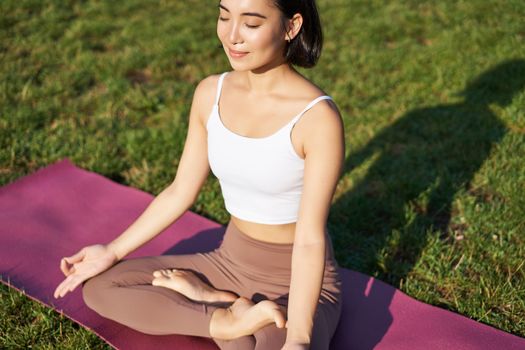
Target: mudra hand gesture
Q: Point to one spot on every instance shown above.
(88, 262)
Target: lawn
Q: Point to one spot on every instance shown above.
(432, 94)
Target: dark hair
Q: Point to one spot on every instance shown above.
(305, 49)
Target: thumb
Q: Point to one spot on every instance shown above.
(77, 257)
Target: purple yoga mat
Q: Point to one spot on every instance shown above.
(59, 209)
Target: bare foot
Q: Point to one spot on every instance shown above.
(191, 286)
(244, 318)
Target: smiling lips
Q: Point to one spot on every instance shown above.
(237, 54)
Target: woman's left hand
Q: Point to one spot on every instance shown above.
(295, 346)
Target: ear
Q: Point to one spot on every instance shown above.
(293, 25)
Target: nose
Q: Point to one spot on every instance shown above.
(234, 34)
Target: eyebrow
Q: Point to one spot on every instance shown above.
(254, 14)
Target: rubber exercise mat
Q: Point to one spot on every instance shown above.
(60, 208)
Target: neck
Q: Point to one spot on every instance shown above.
(267, 80)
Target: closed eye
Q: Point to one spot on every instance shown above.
(247, 25)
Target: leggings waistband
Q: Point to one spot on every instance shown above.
(255, 255)
(277, 247)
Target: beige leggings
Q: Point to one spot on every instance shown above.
(247, 267)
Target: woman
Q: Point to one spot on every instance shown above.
(278, 175)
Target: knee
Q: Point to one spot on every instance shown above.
(93, 292)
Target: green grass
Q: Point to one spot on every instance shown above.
(433, 99)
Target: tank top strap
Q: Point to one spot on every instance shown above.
(219, 88)
(310, 105)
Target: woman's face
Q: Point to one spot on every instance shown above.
(254, 28)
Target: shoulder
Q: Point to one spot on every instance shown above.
(323, 138)
(324, 113)
(322, 120)
(206, 88)
(322, 123)
(204, 96)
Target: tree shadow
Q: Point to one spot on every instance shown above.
(418, 164)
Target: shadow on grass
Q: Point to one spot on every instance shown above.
(418, 164)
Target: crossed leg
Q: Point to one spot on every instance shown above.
(115, 293)
(125, 294)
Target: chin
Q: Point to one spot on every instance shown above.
(242, 67)
(249, 66)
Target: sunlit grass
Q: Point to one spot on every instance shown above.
(432, 198)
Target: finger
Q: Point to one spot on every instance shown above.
(72, 260)
(60, 288)
(66, 267)
(63, 267)
(77, 257)
(57, 290)
(75, 283)
(67, 287)
(63, 290)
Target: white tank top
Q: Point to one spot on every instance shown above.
(261, 178)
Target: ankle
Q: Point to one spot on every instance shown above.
(218, 317)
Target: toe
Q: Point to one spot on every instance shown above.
(279, 319)
(166, 272)
(162, 280)
(156, 282)
(225, 296)
(243, 300)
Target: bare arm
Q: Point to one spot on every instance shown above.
(180, 195)
(167, 206)
(324, 149)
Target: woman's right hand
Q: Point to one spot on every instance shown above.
(88, 262)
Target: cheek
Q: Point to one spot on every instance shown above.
(221, 31)
(266, 41)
